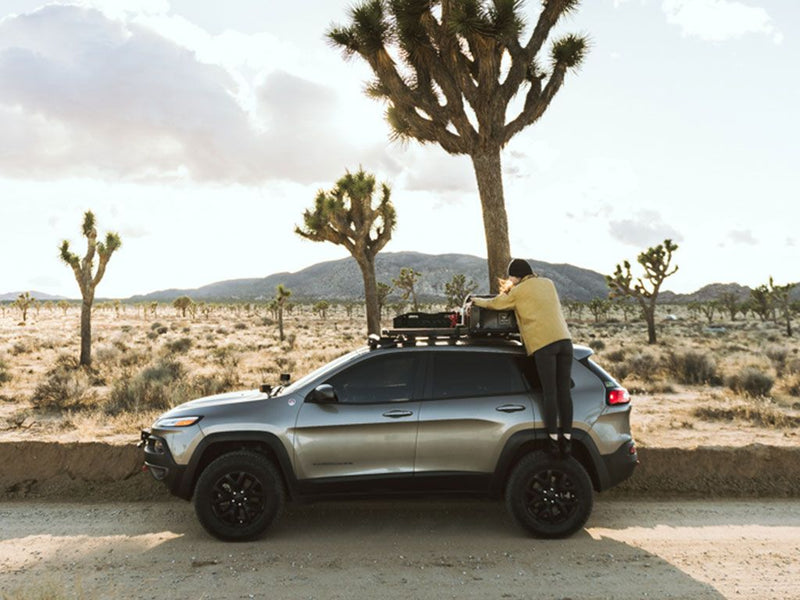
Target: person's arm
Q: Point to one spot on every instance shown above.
(500, 302)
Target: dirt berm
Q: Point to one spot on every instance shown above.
(96, 471)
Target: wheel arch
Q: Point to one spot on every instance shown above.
(522, 443)
(216, 445)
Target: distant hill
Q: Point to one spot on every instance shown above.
(11, 296)
(341, 280)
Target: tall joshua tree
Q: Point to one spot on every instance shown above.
(345, 216)
(405, 282)
(448, 70)
(656, 263)
(87, 277)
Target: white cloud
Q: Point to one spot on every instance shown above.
(742, 236)
(85, 95)
(719, 20)
(645, 228)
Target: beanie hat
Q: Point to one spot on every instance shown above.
(519, 268)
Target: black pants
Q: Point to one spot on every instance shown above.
(554, 365)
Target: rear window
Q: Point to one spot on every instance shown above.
(465, 374)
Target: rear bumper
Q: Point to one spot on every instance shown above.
(621, 464)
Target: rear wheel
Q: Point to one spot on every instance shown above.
(549, 497)
(238, 496)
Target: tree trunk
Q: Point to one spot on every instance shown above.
(280, 323)
(86, 333)
(367, 265)
(488, 172)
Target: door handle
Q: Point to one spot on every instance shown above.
(510, 408)
(398, 413)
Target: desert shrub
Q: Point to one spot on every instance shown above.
(643, 365)
(756, 411)
(240, 326)
(156, 387)
(597, 345)
(751, 381)
(5, 376)
(180, 345)
(614, 356)
(692, 367)
(65, 387)
(23, 347)
(792, 385)
(778, 355)
(156, 325)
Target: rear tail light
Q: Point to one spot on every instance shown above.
(618, 395)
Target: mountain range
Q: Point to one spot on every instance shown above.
(340, 280)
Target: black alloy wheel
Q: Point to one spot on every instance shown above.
(549, 497)
(238, 496)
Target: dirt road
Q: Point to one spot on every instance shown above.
(642, 549)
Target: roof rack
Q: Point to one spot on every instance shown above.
(391, 338)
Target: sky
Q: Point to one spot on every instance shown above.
(200, 130)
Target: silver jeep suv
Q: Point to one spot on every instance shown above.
(397, 417)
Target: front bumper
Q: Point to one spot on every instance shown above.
(158, 460)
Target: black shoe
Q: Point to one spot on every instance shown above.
(565, 446)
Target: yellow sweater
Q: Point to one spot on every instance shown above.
(538, 311)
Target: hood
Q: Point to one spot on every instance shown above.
(218, 399)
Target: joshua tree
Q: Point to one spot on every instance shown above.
(183, 303)
(321, 308)
(345, 216)
(709, 309)
(384, 289)
(457, 289)
(729, 302)
(461, 62)
(87, 277)
(761, 302)
(656, 263)
(405, 283)
(23, 303)
(599, 308)
(780, 297)
(281, 297)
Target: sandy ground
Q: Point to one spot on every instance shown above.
(630, 549)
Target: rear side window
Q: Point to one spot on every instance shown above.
(464, 374)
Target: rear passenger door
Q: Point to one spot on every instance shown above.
(474, 400)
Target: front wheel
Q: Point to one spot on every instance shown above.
(549, 497)
(238, 496)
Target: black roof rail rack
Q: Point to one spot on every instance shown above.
(392, 338)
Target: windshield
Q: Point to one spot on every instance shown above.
(317, 372)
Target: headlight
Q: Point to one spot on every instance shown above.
(177, 422)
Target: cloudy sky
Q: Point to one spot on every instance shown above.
(200, 130)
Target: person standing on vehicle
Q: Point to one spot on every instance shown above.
(547, 342)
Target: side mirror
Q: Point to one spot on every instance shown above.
(322, 394)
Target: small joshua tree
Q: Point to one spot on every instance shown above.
(281, 298)
(23, 303)
(656, 263)
(183, 303)
(87, 277)
(384, 289)
(405, 283)
(457, 289)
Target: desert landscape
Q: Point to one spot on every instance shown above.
(732, 383)
(713, 405)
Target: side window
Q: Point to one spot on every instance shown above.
(464, 374)
(381, 378)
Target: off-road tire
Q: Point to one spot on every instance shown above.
(238, 496)
(549, 497)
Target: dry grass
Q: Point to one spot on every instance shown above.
(143, 365)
